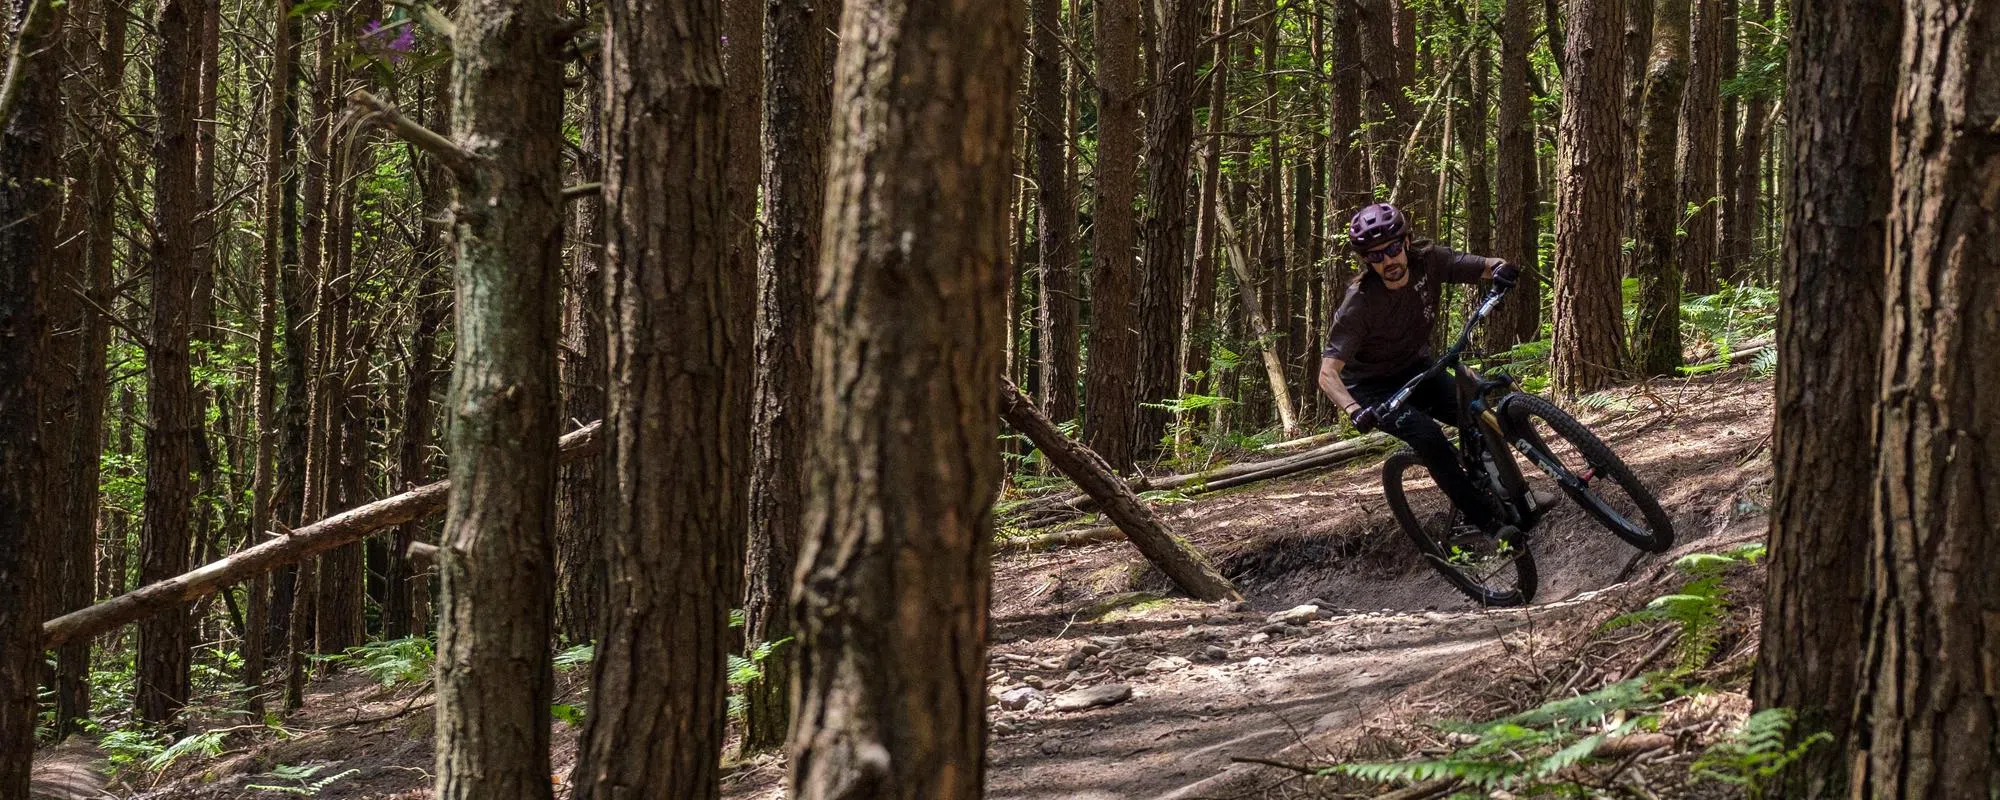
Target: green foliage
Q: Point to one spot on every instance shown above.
(568, 713)
(132, 745)
(1698, 608)
(1732, 314)
(207, 744)
(1756, 751)
(744, 671)
(581, 655)
(395, 662)
(1528, 751)
(1766, 363)
(301, 778)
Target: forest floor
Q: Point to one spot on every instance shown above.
(1391, 650)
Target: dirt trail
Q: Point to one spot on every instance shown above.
(1209, 682)
(1700, 444)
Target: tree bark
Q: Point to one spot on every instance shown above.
(1111, 393)
(1697, 161)
(1517, 200)
(580, 565)
(173, 430)
(1350, 189)
(1186, 566)
(892, 591)
(1843, 85)
(1587, 316)
(798, 57)
(1931, 632)
(1739, 240)
(282, 548)
(679, 393)
(1725, 202)
(277, 164)
(30, 151)
(1169, 149)
(1199, 333)
(497, 549)
(1656, 337)
(77, 396)
(1055, 202)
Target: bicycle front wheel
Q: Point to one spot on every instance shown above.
(1492, 571)
(1586, 469)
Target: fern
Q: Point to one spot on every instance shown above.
(392, 662)
(1698, 609)
(301, 776)
(1766, 362)
(1755, 751)
(574, 657)
(206, 744)
(1528, 750)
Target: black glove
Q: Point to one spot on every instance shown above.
(1365, 420)
(1506, 275)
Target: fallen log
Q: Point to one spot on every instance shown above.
(1187, 567)
(1056, 509)
(288, 547)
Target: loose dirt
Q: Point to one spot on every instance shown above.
(1387, 646)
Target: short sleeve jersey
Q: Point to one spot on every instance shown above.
(1380, 332)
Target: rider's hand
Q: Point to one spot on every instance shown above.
(1506, 275)
(1365, 420)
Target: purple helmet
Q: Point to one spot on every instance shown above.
(1376, 225)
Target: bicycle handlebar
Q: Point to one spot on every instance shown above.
(1451, 354)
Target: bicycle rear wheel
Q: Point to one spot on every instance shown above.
(1579, 463)
(1491, 571)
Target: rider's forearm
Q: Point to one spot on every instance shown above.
(1331, 385)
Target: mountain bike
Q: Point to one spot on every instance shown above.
(1502, 420)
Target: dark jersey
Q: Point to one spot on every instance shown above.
(1379, 331)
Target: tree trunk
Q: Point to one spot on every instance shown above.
(1472, 141)
(1199, 333)
(1740, 239)
(173, 429)
(1056, 205)
(1656, 337)
(580, 566)
(1519, 240)
(679, 404)
(1843, 79)
(277, 165)
(798, 57)
(1187, 567)
(497, 550)
(1931, 638)
(1697, 161)
(30, 155)
(408, 608)
(76, 388)
(892, 591)
(1260, 330)
(1638, 29)
(1587, 316)
(1111, 393)
(1350, 187)
(1725, 201)
(294, 412)
(1169, 149)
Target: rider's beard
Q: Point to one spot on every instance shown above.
(1394, 272)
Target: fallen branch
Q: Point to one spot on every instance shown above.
(1187, 567)
(443, 148)
(1051, 541)
(290, 547)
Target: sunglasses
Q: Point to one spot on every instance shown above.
(1384, 254)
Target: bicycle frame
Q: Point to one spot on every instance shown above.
(1484, 436)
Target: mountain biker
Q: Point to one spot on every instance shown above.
(1381, 339)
